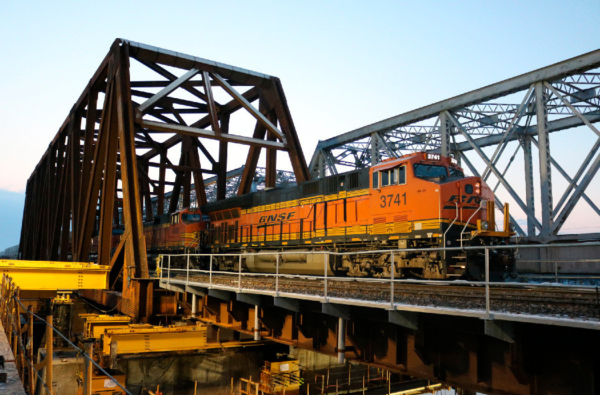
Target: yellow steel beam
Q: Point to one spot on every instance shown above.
(45, 275)
(145, 338)
(96, 324)
(136, 339)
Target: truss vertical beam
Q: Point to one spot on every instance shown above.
(529, 190)
(135, 263)
(375, 153)
(222, 165)
(444, 134)
(544, 156)
(271, 160)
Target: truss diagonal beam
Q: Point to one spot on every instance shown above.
(486, 160)
(148, 104)
(249, 107)
(499, 203)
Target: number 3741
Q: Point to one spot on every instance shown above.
(388, 200)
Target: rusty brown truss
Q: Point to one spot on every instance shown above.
(120, 131)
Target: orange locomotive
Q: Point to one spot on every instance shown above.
(417, 201)
(178, 232)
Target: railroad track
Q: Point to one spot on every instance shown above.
(579, 302)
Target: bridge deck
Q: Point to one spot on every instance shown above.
(539, 304)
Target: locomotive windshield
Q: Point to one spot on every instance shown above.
(456, 173)
(191, 218)
(432, 173)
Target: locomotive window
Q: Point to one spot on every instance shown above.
(235, 213)
(385, 178)
(400, 175)
(219, 215)
(190, 218)
(431, 172)
(226, 214)
(375, 179)
(212, 216)
(454, 172)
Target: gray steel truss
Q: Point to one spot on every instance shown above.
(526, 109)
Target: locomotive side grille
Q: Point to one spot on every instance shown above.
(310, 188)
(332, 185)
(401, 218)
(379, 226)
(353, 181)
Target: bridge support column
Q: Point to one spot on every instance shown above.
(194, 305)
(256, 324)
(341, 340)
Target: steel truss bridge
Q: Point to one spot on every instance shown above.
(142, 126)
(512, 117)
(138, 141)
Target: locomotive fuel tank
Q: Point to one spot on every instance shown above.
(301, 262)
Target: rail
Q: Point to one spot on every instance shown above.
(169, 273)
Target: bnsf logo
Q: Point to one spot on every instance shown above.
(276, 217)
(463, 199)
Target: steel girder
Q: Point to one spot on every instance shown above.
(487, 356)
(126, 141)
(555, 98)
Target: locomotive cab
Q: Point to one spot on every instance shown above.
(428, 200)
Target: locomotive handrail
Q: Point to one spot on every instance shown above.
(493, 247)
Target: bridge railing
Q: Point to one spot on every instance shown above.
(180, 269)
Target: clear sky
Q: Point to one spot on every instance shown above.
(343, 64)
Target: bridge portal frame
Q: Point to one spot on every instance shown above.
(96, 173)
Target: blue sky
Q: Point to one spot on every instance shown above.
(343, 64)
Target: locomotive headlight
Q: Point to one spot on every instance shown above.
(484, 225)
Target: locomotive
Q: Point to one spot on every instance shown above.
(414, 203)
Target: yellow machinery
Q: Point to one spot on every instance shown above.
(280, 377)
(276, 378)
(53, 276)
(63, 308)
(108, 337)
(102, 385)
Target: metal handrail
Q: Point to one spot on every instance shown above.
(325, 297)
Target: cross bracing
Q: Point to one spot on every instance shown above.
(283, 179)
(489, 130)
